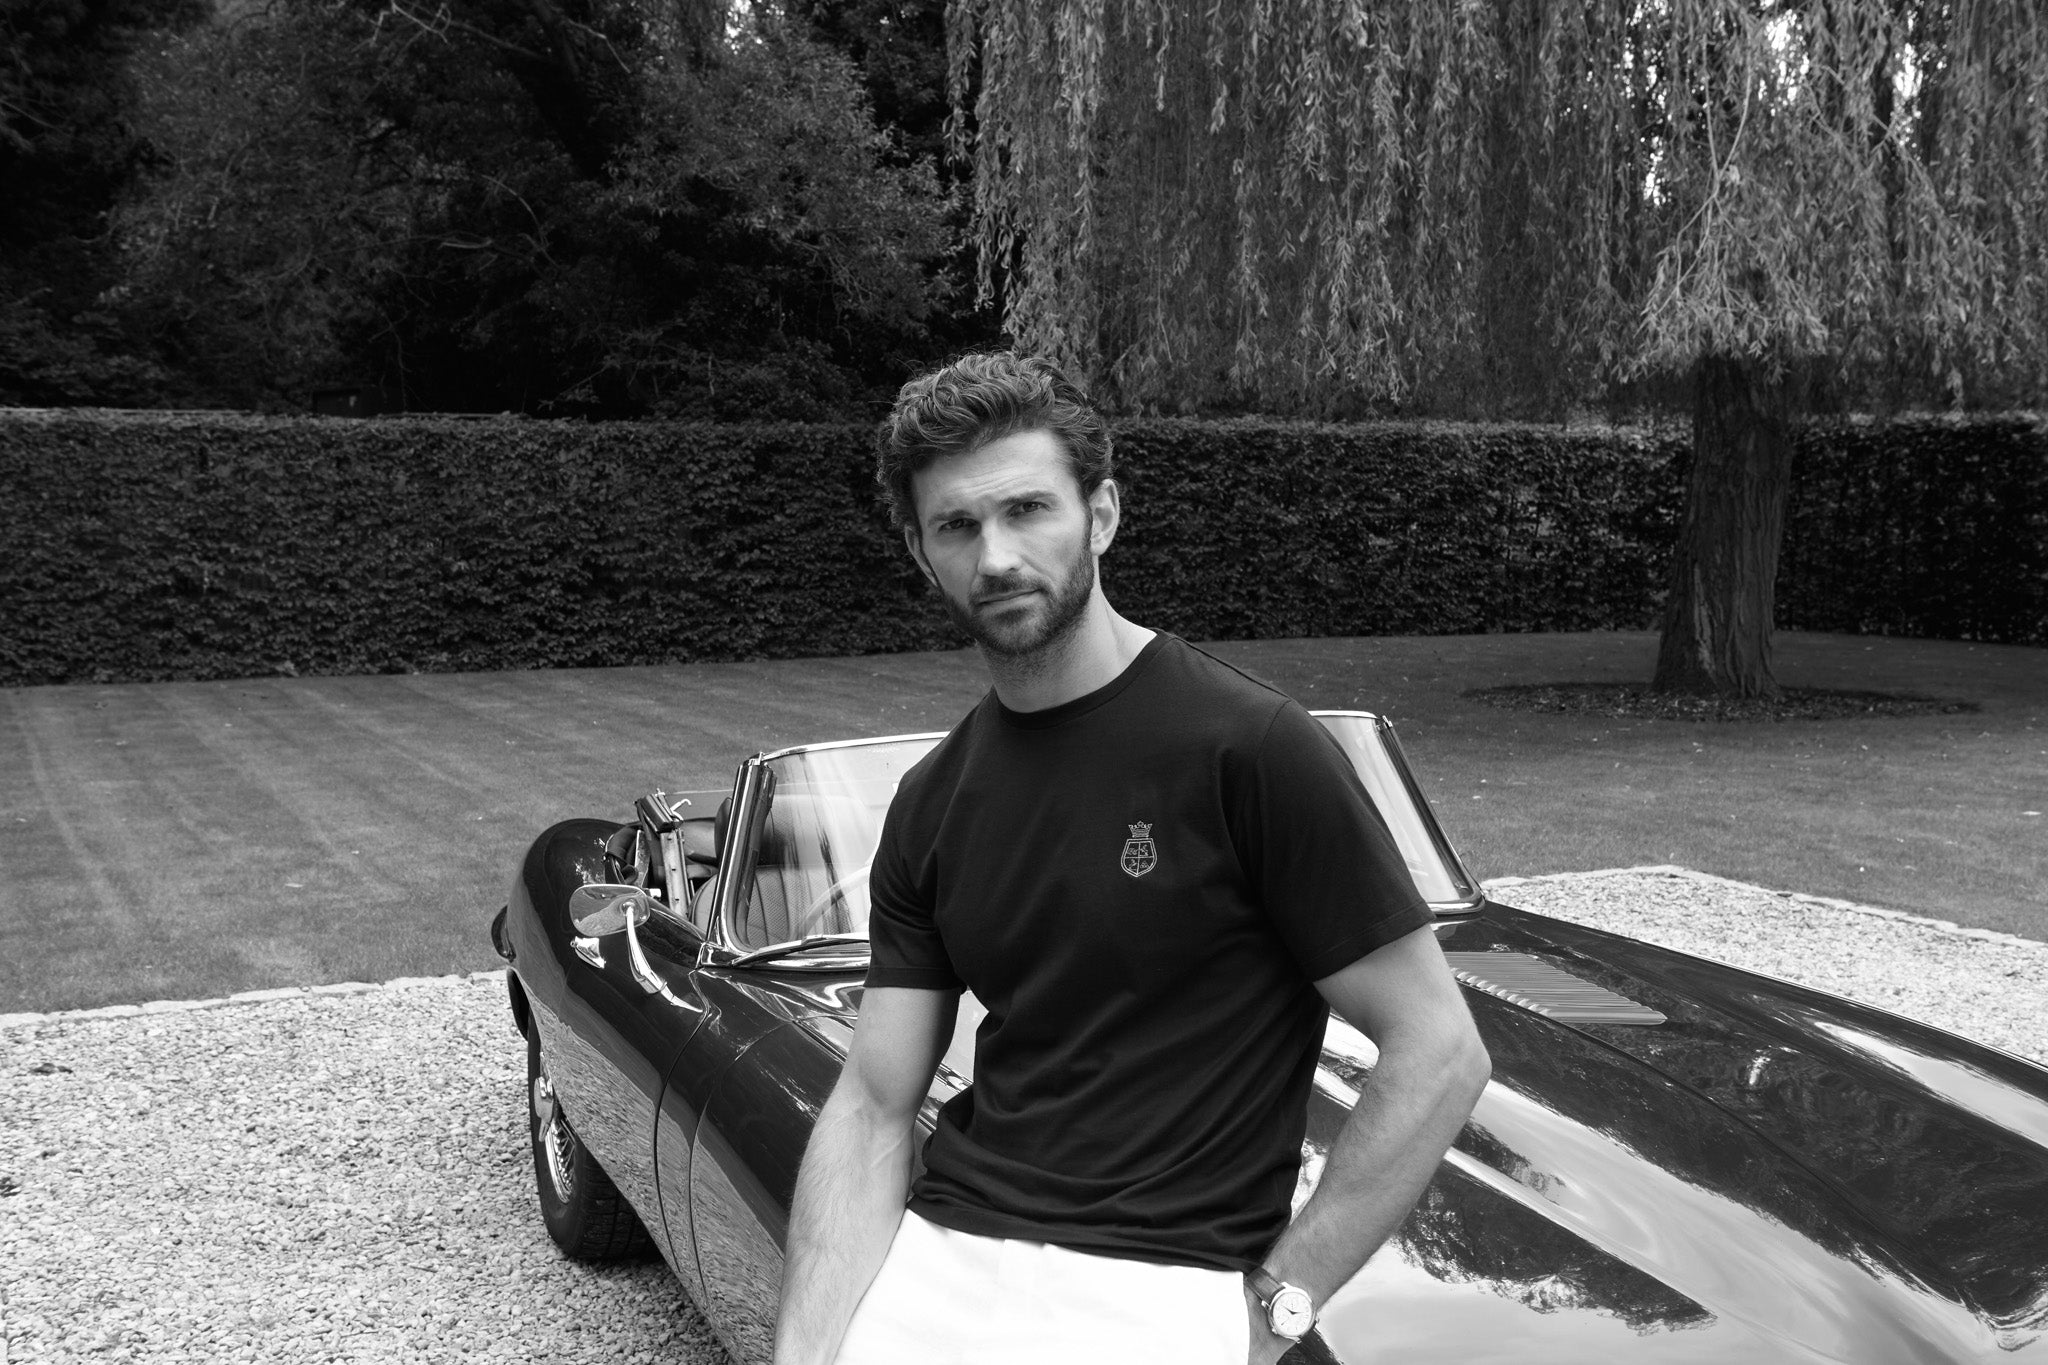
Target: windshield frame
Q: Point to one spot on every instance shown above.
(1474, 898)
(755, 781)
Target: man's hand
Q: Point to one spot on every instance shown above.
(856, 1170)
(1266, 1348)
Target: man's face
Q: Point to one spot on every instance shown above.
(1006, 536)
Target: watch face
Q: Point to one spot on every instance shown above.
(1291, 1313)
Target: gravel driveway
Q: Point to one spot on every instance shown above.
(328, 1177)
(342, 1174)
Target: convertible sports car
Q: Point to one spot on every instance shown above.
(1675, 1161)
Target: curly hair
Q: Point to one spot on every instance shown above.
(978, 399)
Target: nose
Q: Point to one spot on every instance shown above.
(1000, 555)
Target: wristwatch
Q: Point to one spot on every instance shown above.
(1290, 1312)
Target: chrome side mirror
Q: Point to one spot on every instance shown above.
(602, 908)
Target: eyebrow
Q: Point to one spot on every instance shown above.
(945, 514)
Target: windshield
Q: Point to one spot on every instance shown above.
(824, 820)
(825, 809)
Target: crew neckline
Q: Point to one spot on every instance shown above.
(1088, 701)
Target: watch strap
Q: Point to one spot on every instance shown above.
(1263, 1284)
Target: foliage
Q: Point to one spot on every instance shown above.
(1928, 526)
(769, 156)
(55, 360)
(1247, 529)
(222, 546)
(575, 205)
(273, 212)
(1322, 207)
(67, 146)
(899, 49)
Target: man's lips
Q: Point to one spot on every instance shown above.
(998, 598)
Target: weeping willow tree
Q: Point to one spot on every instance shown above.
(1324, 206)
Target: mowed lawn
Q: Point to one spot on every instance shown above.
(174, 840)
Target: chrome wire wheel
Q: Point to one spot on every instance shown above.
(585, 1214)
(556, 1140)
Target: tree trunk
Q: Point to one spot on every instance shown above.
(1724, 571)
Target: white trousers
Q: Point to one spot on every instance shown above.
(952, 1298)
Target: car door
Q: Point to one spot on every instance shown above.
(756, 1119)
(756, 1112)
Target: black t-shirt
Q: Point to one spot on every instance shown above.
(1141, 885)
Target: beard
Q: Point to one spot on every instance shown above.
(1017, 635)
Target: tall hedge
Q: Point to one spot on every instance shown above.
(1252, 528)
(207, 547)
(1931, 526)
(150, 546)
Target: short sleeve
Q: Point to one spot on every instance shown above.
(1317, 853)
(904, 946)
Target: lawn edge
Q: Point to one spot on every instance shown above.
(262, 997)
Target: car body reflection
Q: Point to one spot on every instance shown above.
(1745, 1170)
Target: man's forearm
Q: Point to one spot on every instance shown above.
(1411, 1109)
(849, 1200)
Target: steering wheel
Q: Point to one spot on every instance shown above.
(825, 902)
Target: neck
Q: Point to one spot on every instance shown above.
(1101, 646)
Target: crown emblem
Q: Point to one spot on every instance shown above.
(1141, 855)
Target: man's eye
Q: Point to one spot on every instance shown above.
(1026, 507)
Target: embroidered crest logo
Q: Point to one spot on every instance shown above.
(1140, 856)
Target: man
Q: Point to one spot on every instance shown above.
(1158, 875)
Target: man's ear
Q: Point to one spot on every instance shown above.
(913, 541)
(1105, 513)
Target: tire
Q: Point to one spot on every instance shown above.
(585, 1214)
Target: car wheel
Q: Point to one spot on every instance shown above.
(584, 1212)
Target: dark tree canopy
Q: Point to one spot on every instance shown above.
(67, 148)
(565, 206)
(899, 49)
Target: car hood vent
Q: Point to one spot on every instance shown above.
(1526, 980)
